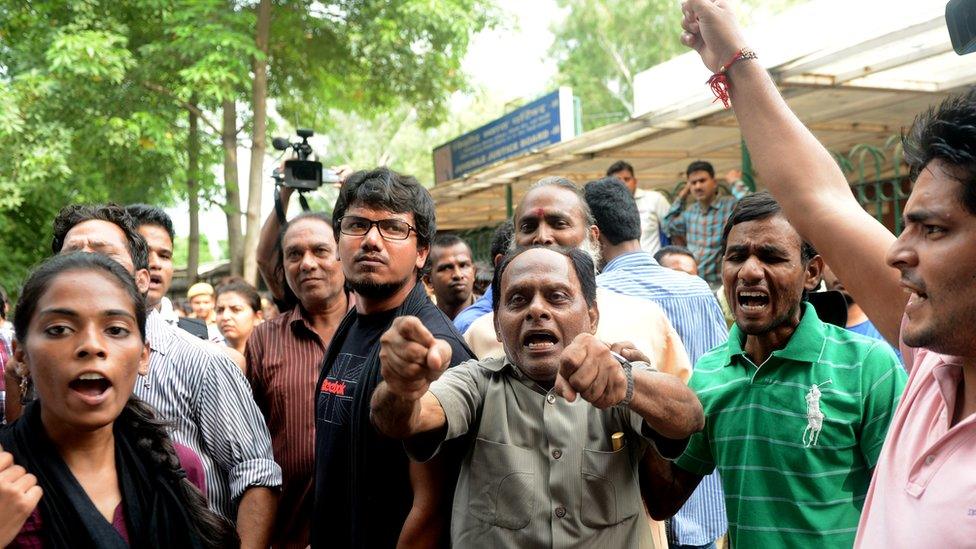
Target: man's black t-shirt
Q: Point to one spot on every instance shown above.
(362, 482)
(333, 413)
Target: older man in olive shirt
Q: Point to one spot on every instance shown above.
(547, 469)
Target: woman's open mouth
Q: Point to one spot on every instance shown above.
(91, 387)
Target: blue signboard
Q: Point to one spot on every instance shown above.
(542, 122)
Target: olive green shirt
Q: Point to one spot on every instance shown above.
(540, 471)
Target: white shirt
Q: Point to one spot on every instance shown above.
(652, 207)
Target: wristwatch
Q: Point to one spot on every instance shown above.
(627, 367)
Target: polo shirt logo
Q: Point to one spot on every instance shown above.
(815, 417)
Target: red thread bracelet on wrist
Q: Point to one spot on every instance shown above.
(719, 82)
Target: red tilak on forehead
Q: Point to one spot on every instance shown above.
(539, 212)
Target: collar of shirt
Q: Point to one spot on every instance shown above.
(158, 332)
(805, 345)
(500, 364)
(299, 324)
(638, 258)
(714, 205)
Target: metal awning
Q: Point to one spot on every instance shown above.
(854, 72)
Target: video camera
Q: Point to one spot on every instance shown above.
(302, 174)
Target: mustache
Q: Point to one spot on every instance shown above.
(910, 280)
(372, 256)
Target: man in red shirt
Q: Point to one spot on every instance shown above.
(284, 356)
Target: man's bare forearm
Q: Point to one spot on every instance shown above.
(664, 486)
(667, 405)
(256, 516)
(266, 257)
(393, 415)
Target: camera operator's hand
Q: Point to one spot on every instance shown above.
(710, 28)
(343, 171)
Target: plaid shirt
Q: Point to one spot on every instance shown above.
(702, 230)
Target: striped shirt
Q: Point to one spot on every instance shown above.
(696, 317)
(208, 401)
(283, 360)
(797, 437)
(702, 229)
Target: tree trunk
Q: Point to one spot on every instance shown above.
(193, 198)
(232, 191)
(258, 142)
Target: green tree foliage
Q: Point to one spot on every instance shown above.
(398, 137)
(94, 94)
(73, 127)
(600, 45)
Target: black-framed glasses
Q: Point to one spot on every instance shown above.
(390, 229)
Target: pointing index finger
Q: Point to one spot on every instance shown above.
(412, 329)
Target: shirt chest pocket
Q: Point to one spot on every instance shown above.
(502, 484)
(610, 490)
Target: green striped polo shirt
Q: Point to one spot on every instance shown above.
(795, 438)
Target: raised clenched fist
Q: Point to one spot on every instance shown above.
(710, 28)
(19, 495)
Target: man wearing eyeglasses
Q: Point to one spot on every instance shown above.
(367, 493)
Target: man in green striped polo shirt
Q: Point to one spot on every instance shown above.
(796, 410)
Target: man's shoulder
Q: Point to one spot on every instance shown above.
(272, 326)
(614, 302)
(185, 349)
(713, 370)
(841, 341)
(436, 321)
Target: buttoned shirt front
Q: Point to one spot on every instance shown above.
(208, 402)
(284, 357)
(541, 471)
(923, 493)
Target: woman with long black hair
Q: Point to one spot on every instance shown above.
(111, 477)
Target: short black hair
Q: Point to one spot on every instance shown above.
(447, 240)
(75, 214)
(501, 241)
(444, 241)
(245, 290)
(144, 214)
(759, 206)
(614, 209)
(700, 166)
(4, 299)
(582, 264)
(385, 189)
(947, 133)
(673, 250)
(289, 299)
(620, 166)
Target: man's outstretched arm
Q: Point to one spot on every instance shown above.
(410, 359)
(799, 171)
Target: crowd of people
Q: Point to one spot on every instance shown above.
(637, 373)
